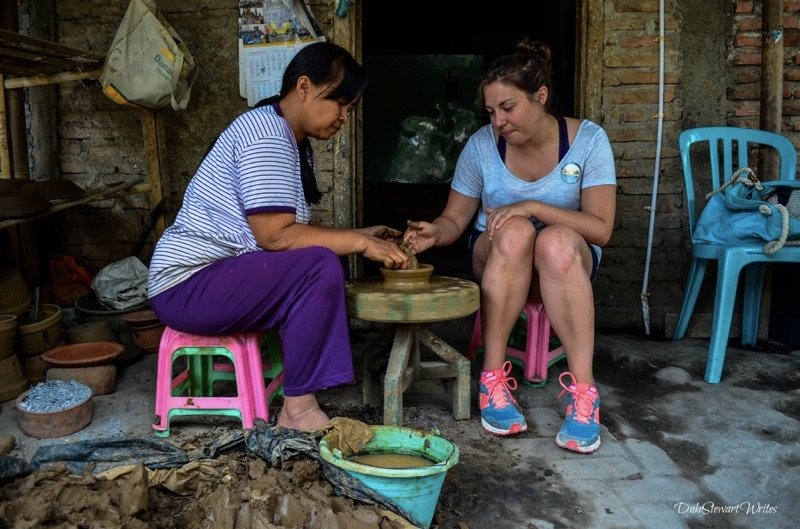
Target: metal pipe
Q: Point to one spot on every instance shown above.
(645, 294)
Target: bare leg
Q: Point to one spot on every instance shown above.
(563, 262)
(504, 267)
(302, 413)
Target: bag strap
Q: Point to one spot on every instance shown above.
(736, 178)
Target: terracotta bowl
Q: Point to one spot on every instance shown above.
(407, 278)
(12, 184)
(83, 354)
(21, 203)
(57, 423)
(60, 189)
(140, 318)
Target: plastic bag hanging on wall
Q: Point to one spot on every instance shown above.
(271, 32)
(148, 64)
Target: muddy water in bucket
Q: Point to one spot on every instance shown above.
(416, 489)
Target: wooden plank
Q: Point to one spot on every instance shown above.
(90, 195)
(42, 80)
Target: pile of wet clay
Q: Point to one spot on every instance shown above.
(233, 491)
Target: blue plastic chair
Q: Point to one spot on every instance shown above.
(727, 149)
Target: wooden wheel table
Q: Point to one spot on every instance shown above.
(406, 308)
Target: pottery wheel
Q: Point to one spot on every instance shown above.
(443, 298)
(406, 308)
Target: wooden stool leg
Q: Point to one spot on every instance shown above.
(397, 375)
(461, 393)
(371, 391)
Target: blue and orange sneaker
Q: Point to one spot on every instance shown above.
(500, 413)
(581, 429)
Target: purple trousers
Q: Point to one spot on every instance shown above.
(299, 292)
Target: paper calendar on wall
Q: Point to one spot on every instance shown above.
(271, 32)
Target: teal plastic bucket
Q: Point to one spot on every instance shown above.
(415, 490)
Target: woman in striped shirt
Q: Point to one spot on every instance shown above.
(242, 256)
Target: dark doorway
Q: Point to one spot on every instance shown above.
(421, 102)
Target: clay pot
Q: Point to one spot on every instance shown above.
(44, 425)
(35, 368)
(37, 337)
(102, 379)
(407, 278)
(12, 378)
(84, 354)
(92, 331)
(148, 338)
(16, 298)
(8, 331)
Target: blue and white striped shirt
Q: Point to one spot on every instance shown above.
(254, 167)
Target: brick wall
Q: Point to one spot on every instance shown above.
(712, 78)
(712, 75)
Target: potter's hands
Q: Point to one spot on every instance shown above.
(384, 251)
(419, 236)
(381, 232)
(498, 216)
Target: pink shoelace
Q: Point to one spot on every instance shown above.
(500, 388)
(583, 403)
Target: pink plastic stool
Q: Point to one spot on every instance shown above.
(537, 356)
(190, 392)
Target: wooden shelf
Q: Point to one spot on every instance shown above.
(88, 196)
(22, 56)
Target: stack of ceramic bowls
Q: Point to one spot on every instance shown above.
(90, 363)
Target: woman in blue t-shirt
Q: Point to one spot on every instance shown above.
(242, 256)
(544, 189)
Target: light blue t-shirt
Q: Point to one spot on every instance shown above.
(481, 173)
(253, 167)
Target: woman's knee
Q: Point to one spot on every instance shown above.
(515, 238)
(559, 248)
(325, 266)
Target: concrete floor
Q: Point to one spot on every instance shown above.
(677, 452)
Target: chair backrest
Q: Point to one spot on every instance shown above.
(729, 150)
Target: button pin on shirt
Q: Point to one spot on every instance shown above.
(571, 173)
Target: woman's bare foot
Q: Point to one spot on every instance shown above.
(302, 413)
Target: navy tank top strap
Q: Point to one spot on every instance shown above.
(563, 137)
(563, 140)
(501, 147)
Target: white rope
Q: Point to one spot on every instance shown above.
(750, 180)
(773, 246)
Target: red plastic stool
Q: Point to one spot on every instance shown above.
(191, 391)
(537, 356)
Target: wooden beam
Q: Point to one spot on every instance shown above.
(155, 151)
(770, 118)
(42, 80)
